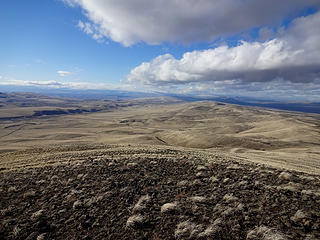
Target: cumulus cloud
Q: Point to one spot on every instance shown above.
(293, 55)
(154, 22)
(64, 73)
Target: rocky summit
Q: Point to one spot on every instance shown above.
(140, 192)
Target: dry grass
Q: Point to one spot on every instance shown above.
(135, 221)
(169, 207)
(141, 204)
(280, 139)
(264, 233)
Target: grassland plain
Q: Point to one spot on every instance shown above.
(278, 138)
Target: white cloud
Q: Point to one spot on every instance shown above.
(67, 85)
(64, 73)
(154, 22)
(92, 30)
(294, 55)
(15, 82)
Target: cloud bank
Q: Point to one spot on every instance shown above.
(187, 21)
(279, 62)
(292, 56)
(65, 85)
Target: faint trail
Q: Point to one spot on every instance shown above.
(159, 139)
(18, 129)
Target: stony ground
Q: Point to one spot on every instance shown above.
(153, 193)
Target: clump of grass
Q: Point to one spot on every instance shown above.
(284, 176)
(201, 174)
(201, 168)
(187, 230)
(12, 189)
(132, 164)
(142, 203)
(228, 198)
(298, 216)
(37, 215)
(16, 231)
(6, 211)
(29, 194)
(77, 204)
(42, 236)
(289, 187)
(234, 167)
(212, 230)
(135, 221)
(197, 199)
(265, 233)
(169, 207)
(213, 179)
(182, 183)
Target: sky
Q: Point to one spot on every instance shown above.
(263, 49)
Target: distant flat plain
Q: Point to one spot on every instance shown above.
(276, 138)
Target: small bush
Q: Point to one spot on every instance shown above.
(169, 207)
(265, 233)
(141, 204)
(135, 221)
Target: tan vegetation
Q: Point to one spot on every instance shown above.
(278, 138)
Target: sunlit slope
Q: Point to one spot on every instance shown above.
(255, 134)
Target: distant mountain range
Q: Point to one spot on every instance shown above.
(306, 107)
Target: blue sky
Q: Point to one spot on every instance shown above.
(40, 38)
(168, 46)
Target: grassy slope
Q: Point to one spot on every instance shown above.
(281, 139)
